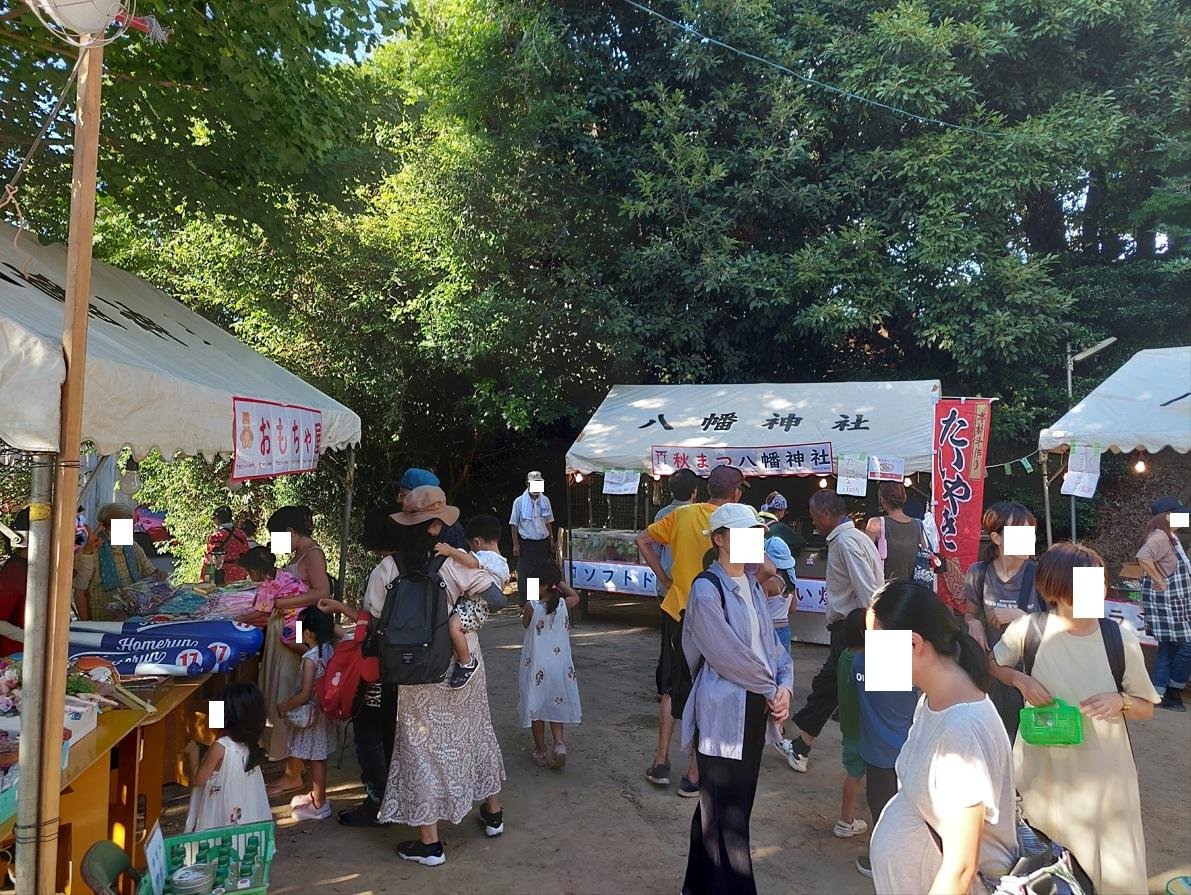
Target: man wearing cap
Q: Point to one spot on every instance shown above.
(684, 531)
(682, 486)
(532, 524)
(451, 535)
(776, 507)
(854, 573)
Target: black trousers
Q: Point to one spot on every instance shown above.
(823, 697)
(374, 731)
(720, 862)
(880, 785)
(533, 554)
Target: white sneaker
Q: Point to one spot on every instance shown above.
(845, 830)
(793, 759)
(309, 812)
(304, 799)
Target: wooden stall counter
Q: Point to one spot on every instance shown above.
(85, 795)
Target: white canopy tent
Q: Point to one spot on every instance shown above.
(1145, 405)
(158, 374)
(888, 419)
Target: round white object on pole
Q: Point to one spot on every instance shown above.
(80, 16)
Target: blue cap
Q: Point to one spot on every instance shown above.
(779, 551)
(417, 478)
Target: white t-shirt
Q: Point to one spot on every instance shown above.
(754, 623)
(378, 584)
(495, 565)
(952, 759)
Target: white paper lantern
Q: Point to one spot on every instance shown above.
(80, 16)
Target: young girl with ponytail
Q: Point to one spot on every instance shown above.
(549, 690)
(953, 816)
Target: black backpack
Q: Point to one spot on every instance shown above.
(412, 640)
(1110, 632)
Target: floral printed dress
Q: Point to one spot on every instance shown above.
(549, 688)
(231, 796)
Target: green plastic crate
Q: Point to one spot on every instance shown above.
(1053, 724)
(265, 833)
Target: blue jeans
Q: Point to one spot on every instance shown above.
(783, 635)
(1172, 665)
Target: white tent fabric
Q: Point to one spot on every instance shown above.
(895, 421)
(158, 374)
(1146, 405)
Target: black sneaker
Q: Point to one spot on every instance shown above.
(420, 852)
(687, 789)
(1173, 705)
(864, 867)
(462, 673)
(659, 774)
(493, 824)
(363, 815)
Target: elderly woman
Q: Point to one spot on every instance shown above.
(102, 568)
(1166, 596)
(743, 681)
(445, 753)
(1085, 796)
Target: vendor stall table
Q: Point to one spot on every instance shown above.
(85, 795)
(99, 803)
(143, 766)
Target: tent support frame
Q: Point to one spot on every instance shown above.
(1045, 458)
(349, 480)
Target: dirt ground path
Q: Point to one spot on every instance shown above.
(600, 827)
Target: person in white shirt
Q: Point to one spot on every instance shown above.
(532, 523)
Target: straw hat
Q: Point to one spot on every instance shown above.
(423, 503)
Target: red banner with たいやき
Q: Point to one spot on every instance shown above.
(961, 433)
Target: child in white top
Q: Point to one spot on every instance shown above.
(475, 571)
(549, 689)
(229, 788)
(314, 741)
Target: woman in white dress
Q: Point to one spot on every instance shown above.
(953, 816)
(549, 690)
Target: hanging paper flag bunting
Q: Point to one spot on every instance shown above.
(1025, 462)
(1008, 469)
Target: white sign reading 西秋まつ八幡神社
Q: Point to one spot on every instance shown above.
(782, 459)
(274, 439)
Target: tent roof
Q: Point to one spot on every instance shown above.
(158, 374)
(1145, 404)
(899, 417)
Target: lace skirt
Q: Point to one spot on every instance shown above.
(445, 757)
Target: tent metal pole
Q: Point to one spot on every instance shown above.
(27, 830)
(349, 480)
(53, 642)
(1046, 496)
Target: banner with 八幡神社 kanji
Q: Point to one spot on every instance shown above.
(961, 433)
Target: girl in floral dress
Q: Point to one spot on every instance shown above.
(229, 788)
(549, 691)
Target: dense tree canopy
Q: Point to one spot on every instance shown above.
(467, 218)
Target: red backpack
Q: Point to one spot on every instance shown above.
(346, 670)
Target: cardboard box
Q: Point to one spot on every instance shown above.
(1130, 570)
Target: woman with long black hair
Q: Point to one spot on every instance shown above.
(445, 753)
(954, 813)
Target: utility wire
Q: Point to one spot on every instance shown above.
(814, 82)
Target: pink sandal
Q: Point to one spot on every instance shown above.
(540, 758)
(560, 756)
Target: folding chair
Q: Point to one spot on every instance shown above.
(103, 864)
